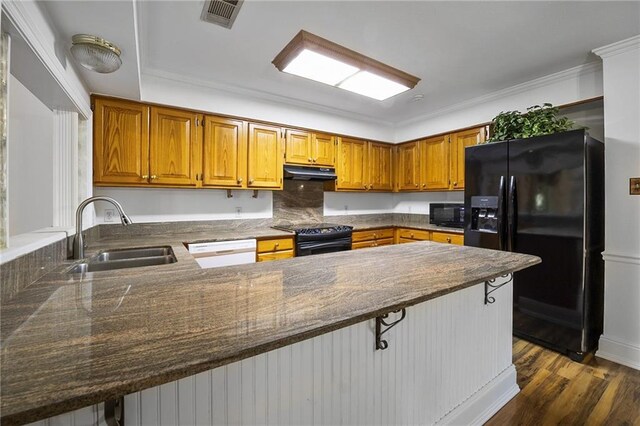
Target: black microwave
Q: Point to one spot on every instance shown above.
(447, 214)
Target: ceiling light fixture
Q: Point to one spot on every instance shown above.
(316, 58)
(95, 53)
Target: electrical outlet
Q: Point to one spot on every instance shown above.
(634, 186)
(109, 214)
(238, 211)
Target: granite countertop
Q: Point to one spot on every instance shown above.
(72, 340)
(398, 223)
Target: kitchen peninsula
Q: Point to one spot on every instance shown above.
(290, 341)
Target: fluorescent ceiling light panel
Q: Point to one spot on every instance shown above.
(312, 65)
(373, 86)
(318, 59)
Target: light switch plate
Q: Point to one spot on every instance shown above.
(634, 186)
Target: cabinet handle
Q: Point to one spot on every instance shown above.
(424, 185)
(239, 180)
(277, 245)
(455, 183)
(315, 159)
(154, 177)
(412, 235)
(365, 186)
(145, 176)
(375, 235)
(250, 181)
(370, 186)
(417, 185)
(448, 239)
(310, 159)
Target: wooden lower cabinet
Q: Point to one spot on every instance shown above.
(447, 237)
(372, 238)
(409, 235)
(275, 249)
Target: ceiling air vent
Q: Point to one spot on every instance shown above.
(221, 12)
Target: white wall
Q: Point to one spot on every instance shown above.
(30, 146)
(351, 203)
(197, 95)
(162, 205)
(621, 339)
(341, 203)
(575, 84)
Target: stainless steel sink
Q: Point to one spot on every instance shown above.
(125, 258)
(133, 253)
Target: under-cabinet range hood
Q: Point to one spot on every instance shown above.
(309, 173)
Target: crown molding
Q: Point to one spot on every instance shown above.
(547, 80)
(258, 94)
(20, 15)
(618, 47)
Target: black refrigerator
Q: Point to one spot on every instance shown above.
(544, 196)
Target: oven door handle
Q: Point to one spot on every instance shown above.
(324, 244)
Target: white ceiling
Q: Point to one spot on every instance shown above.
(460, 50)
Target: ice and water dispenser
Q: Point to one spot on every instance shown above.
(484, 214)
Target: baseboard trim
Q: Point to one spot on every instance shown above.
(621, 353)
(486, 402)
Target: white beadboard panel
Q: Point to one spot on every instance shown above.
(65, 160)
(447, 354)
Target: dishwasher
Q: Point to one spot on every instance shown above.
(223, 253)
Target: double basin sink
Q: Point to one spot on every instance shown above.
(125, 258)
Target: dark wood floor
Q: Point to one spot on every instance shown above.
(556, 390)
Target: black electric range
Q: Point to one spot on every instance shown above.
(317, 238)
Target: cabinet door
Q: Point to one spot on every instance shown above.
(434, 162)
(298, 147)
(408, 167)
(380, 170)
(121, 142)
(323, 149)
(225, 153)
(351, 167)
(174, 148)
(265, 158)
(459, 141)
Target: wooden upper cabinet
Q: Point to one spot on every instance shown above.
(459, 141)
(173, 147)
(224, 162)
(351, 165)
(434, 163)
(323, 150)
(121, 142)
(298, 147)
(408, 173)
(380, 166)
(265, 159)
(309, 149)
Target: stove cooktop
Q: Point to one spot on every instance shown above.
(315, 228)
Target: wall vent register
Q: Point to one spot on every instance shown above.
(221, 12)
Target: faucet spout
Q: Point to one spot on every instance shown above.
(78, 240)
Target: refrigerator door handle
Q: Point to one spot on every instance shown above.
(502, 211)
(512, 208)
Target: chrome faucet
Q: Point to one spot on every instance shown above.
(78, 240)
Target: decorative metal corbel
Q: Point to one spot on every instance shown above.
(229, 194)
(255, 193)
(489, 288)
(114, 412)
(380, 322)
